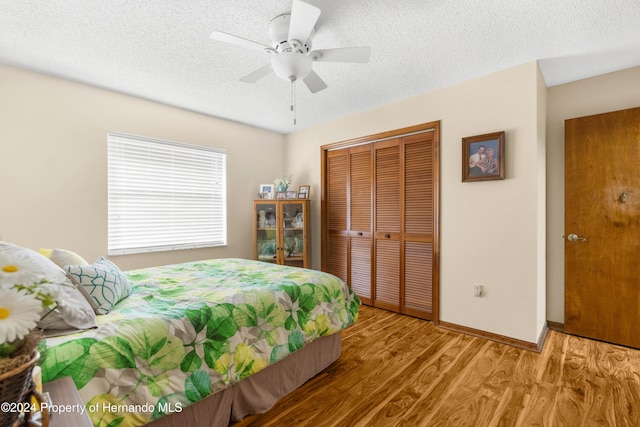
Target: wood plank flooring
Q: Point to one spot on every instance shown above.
(401, 371)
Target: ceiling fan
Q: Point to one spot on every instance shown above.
(292, 59)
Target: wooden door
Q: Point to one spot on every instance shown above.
(418, 207)
(387, 199)
(360, 213)
(337, 169)
(380, 215)
(349, 204)
(602, 227)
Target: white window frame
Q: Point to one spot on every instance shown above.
(164, 195)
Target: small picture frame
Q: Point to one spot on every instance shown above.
(266, 190)
(281, 195)
(303, 191)
(292, 194)
(483, 157)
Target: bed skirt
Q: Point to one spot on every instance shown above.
(258, 393)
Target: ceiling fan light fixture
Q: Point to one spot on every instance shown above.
(290, 64)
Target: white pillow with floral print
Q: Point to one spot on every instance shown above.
(24, 266)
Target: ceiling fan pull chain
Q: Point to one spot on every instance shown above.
(293, 97)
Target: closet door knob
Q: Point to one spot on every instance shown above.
(387, 236)
(359, 233)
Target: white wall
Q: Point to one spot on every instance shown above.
(609, 92)
(492, 232)
(53, 164)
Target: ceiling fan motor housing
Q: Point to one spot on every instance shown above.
(279, 35)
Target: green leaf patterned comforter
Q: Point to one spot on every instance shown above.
(190, 330)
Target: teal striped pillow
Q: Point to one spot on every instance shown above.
(102, 283)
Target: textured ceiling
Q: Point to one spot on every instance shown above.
(161, 50)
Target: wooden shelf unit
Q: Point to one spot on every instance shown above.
(281, 231)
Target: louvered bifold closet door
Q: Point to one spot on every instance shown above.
(337, 196)
(380, 218)
(418, 225)
(360, 219)
(387, 224)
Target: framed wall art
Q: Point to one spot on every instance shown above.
(483, 157)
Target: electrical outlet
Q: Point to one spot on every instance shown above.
(478, 290)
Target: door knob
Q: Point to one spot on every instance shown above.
(575, 238)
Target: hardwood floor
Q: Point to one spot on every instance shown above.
(401, 371)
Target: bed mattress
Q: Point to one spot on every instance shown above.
(188, 331)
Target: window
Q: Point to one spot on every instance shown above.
(164, 195)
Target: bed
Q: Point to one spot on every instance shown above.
(204, 343)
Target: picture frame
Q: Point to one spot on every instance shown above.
(303, 191)
(483, 157)
(281, 195)
(292, 194)
(266, 191)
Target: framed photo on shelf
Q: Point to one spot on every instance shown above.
(266, 191)
(281, 195)
(483, 157)
(303, 191)
(292, 194)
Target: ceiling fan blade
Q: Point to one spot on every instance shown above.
(230, 38)
(303, 18)
(314, 82)
(257, 74)
(343, 54)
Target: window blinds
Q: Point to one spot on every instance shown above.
(164, 195)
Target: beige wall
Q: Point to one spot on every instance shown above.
(53, 177)
(491, 232)
(541, 188)
(609, 92)
(53, 165)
